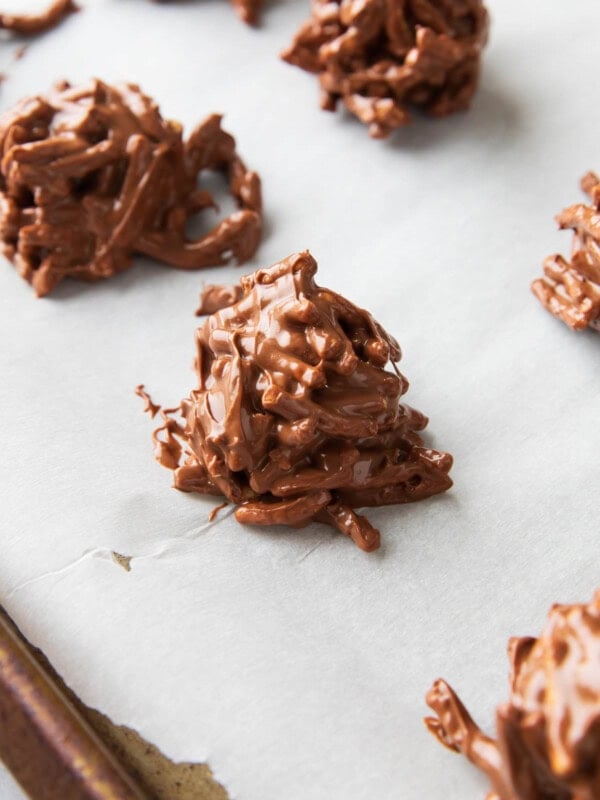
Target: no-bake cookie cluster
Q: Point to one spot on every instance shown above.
(547, 744)
(384, 58)
(295, 417)
(571, 289)
(91, 175)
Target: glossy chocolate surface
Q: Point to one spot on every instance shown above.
(571, 290)
(295, 417)
(547, 744)
(214, 297)
(382, 58)
(91, 175)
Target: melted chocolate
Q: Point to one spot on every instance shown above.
(91, 175)
(383, 57)
(571, 290)
(33, 24)
(295, 417)
(214, 297)
(149, 407)
(547, 745)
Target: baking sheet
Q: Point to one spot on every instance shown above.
(292, 662)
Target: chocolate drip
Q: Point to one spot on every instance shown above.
(91, 175)
(571, 290)
(214, 297)
(33, 24)
(149, 407)
(383, 57)
(295, 417)
(547, 744)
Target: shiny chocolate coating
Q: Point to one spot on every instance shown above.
(571, 290)
(295, 417)
(91, 175)
(33, 24)
(382, 58)
(214, 297)
(547, 744)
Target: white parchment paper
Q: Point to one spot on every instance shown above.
(292, 662)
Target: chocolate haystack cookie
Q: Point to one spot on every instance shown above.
(247, 10)
(571, 291)
(91, 175)
(295, 417)
(383, 57)
(547, 744)
(33, 24)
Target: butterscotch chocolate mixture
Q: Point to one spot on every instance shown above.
(383, 57)
(214, 297)
(32, 24)
(295, 417)
(547, 744)
(571, 290)
(91, 175)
